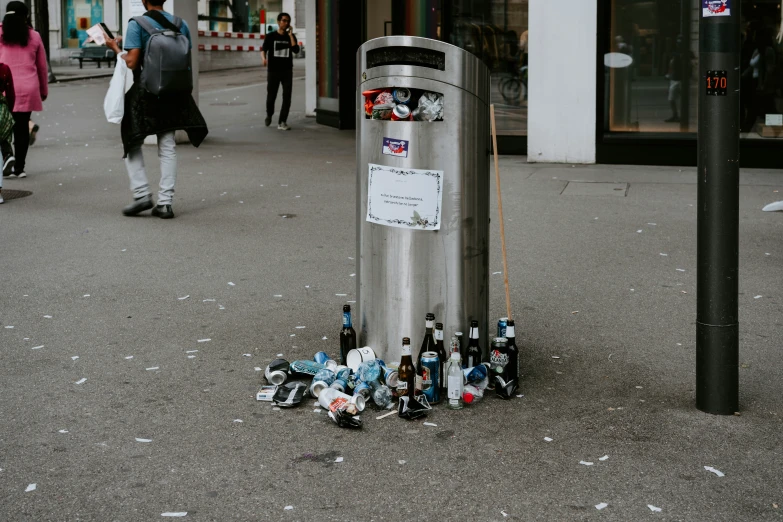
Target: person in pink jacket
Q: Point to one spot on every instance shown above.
(21, 48)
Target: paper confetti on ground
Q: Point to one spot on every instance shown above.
(191, 356)
(601, 506)
(129, 357)
(174, 514)
(341, 295)
(191, 351)
(183, 298)
(401, 462)
(758, 297)
(654, 509)
(430, 424)
(31, 487)
(153, 368)
(713, 470)
(37, 347)
(379, 417)
(81, 381)
(143, 440)
(605, 457)
(63, 431)
(300, 327)
(548, 439)
(248, 354)
(584, 463)
(208, 301)
(74, 357)
(203, 340)
(231, 284)
(238, 420)
(258, 369)
(47, 317)
(338, 459)
(289, 508)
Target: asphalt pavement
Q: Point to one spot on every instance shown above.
(116, 406)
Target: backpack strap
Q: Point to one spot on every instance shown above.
(175, 25)
(147, 25)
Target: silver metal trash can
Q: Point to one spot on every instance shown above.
(422, 192)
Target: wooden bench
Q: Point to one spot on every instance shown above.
(94, 54)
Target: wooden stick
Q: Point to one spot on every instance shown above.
(500, 209)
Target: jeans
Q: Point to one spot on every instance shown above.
(274, 79)
(167, 154)
(21, 139)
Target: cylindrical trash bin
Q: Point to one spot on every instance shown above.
(422, 191)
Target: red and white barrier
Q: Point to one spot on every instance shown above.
(218, 34)
(242, 48)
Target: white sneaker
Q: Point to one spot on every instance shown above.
(283, 126)
(1, 197)
(22, 175)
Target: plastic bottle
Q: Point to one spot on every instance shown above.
(472, 393)
(369, 371)
(381, 394)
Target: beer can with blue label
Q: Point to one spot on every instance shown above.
(430, 376)
(502, 325)
(401, 95)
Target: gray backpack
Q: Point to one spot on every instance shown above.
(167, 62)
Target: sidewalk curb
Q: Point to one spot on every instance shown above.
(67, 79)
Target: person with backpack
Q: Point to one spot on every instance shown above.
(159, 103)
(277, 52)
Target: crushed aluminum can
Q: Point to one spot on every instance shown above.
(401, 95)
(401, 113)
(277, 371)
(290, 394)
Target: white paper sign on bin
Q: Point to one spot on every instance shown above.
(405, 198)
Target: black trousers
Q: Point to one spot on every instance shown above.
(21, 138)
(274, 79)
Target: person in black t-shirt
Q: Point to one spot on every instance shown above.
(278, 50)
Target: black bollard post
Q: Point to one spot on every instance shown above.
(717, 329)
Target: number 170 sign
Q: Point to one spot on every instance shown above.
(717, 83)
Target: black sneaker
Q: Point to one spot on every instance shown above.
(268, 121)
(163, 212)
(8, 166)
(139, 205)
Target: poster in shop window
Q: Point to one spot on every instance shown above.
(715, 8)
(137, 8)
(405, 198)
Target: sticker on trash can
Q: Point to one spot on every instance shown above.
(715, 8)
(397, 148)
(404, 198)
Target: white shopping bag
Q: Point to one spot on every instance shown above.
(114, 103)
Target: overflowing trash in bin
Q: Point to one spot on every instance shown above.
(403, 104)
(457, 375)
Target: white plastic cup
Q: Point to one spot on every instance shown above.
(359, 355)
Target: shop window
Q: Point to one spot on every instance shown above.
(497, 32)
(651, 70)
(79, 16)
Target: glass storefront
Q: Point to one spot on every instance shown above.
(79, 16)
(497, 32)
(651, 68)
